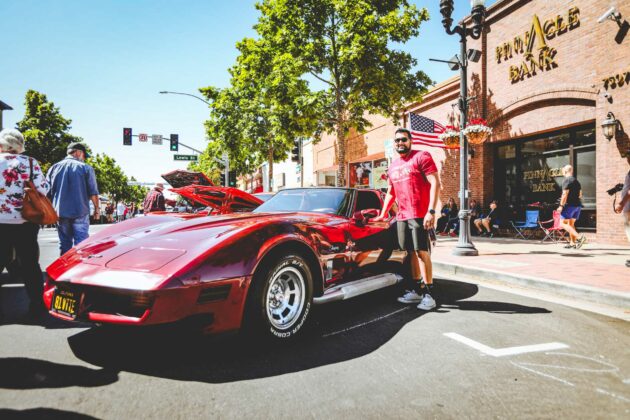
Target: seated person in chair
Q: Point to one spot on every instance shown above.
(449, 212)
(486, 221)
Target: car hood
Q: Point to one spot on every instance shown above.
(223, 199)
(181, 178)
(155, 248)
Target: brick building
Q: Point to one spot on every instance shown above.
(548, 77)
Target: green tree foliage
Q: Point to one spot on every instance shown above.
(266, 108)
(112, 181)
(45, 130)
(347, 45)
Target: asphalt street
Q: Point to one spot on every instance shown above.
(483, 353)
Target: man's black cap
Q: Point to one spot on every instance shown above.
(78, 146)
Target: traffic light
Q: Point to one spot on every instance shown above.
(127, 136)
(295, 152)
(232, 179)
(222, 183)
(174, 142)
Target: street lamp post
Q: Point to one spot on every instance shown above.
(185, 94)
(3, 107)
(464, 245)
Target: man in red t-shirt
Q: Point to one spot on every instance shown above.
(414, 184)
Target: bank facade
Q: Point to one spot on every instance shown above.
(549, 76)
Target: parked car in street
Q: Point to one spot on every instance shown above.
(260, 270)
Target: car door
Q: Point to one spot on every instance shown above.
(370, 243)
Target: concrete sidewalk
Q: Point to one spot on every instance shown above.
(596, 273)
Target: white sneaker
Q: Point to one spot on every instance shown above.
(410, 297)
(427, 303)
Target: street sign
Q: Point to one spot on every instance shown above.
(143, 137)
(139, 183)
(185, 157)
(157, 139)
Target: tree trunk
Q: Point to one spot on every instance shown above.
(341, 154)
(270, 172)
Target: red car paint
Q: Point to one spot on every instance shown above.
(168, 267)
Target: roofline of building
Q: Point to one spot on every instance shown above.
(4, 107)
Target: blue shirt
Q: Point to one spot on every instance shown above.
(72, 183)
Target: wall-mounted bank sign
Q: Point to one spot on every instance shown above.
(543, 57)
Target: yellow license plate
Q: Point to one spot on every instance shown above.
(65, 303)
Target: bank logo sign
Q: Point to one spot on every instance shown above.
(543, 57)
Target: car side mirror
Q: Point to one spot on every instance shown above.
(361, 217)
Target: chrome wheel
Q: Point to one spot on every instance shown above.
(285, 298)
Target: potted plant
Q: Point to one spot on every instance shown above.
(450, 136)
(477, 131)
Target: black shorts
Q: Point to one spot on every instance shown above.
(412, 233)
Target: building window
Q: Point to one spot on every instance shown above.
(528, 172)
(360, 174)
(327, 178)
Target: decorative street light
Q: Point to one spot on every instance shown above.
(609, 126)
(186, 94)
(478, 12)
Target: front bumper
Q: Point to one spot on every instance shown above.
(223, 299)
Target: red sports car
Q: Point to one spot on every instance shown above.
(261, 269)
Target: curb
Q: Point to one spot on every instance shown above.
(619, 300)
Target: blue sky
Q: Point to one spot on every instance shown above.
(103, 63)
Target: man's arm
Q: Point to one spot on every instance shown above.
(563, 200)
(434, 180)
(622, 203)
(387, 205)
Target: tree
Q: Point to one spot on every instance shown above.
(111, 180)
(45, 130)
(265, 108)
(347, 46)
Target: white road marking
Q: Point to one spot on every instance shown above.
(611, 394)
(365, 323)
(508, 351)
(610, 368)
(546, 375)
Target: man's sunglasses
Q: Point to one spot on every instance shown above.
(401, 140)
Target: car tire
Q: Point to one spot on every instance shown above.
(280, 298)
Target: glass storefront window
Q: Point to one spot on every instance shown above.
(529, 172)
(379, 174)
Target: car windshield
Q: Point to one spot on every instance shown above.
(317, 200)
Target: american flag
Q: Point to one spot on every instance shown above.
(425, 131)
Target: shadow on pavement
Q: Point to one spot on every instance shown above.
(14, 310)
(25, 373)
(42, 414)
(337, 332)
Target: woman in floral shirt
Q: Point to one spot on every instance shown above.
(15, 232)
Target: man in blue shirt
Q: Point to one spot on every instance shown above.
(72, 186)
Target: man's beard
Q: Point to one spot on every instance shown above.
(403, 149)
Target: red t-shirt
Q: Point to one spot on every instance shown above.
(407, 176)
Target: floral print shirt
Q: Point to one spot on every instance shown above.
(14, 172)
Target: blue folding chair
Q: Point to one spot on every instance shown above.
(525, 229)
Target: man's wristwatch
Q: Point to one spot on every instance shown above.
(431, 211)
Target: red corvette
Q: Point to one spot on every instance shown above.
(261, 269)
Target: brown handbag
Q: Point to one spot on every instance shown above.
(36, 207)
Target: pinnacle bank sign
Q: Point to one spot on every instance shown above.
(543, 58)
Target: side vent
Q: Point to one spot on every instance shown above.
(213, 294)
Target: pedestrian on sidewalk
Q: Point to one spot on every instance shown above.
(18, 235)
(72, 187)
(570, 206)
(623, 206)
(154, 201)
(120, 211)
(487, 220)
(413, 184)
